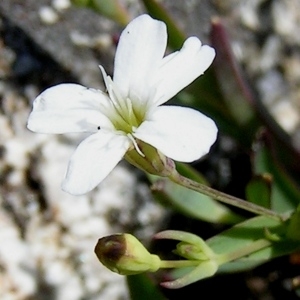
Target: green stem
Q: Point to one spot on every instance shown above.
(221, 258)
(170, 264)
(222, 197)
(247, 250)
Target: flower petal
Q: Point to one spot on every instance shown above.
(69, 108)
(180, 133)
(93, 160)
(140, 51)
(181, 68)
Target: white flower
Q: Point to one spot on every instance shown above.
(131, 109)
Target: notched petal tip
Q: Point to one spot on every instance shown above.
(203, 54)
(193, 43)
(209, 53)
(143, 20)
(181, 68)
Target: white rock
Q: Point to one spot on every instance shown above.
(48, 15)
(61, 5)
(286, 115)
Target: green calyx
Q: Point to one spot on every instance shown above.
(152, 161)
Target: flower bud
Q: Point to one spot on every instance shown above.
(124, 254)
(191, 252)
(153, 162)
(191, 246)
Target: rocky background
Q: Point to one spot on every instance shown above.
(47, 237)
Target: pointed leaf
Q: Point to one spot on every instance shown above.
(285, 194)
(245, 234)
(258, 190)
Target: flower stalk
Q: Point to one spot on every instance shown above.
(176, 264)
(223, 197)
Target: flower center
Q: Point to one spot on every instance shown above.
(124, 116)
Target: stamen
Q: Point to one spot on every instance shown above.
(131, 113)
(109, 87)
(112, 94)
(124, 116)
(135, 145)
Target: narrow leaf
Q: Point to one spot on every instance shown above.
(141, 287)
(247, 232)
(111, 9)
(285, 194)
(258, 190)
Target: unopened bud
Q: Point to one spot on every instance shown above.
(124, 254)
(191, 252)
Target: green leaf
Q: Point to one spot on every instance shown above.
(285, 194)
(141, 287)
(293, 231)
(260, 257)
(191, 203)
(258, 190)
(109, 8)
(244, 234)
